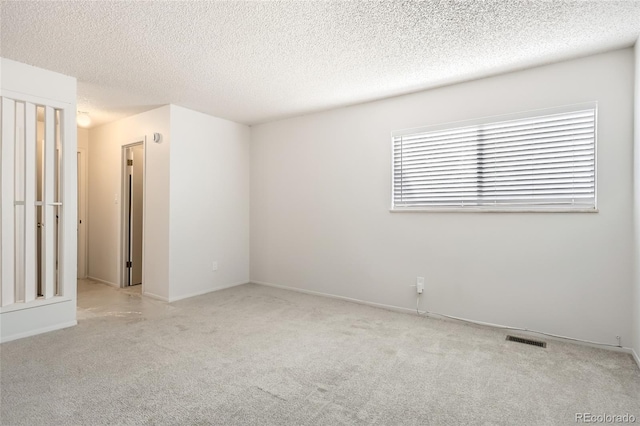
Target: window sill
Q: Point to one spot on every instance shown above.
(488, 210)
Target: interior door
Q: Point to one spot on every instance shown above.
(128, 205)
(137, 213)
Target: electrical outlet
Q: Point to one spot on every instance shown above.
(420, 284)
(215, 266)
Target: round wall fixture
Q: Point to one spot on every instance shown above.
(157, 137)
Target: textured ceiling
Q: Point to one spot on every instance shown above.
(253, 62)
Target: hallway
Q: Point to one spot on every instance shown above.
(97, 300)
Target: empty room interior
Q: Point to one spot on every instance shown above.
(320, 212)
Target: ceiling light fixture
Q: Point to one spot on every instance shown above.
(83, 119)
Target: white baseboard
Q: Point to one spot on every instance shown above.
(174, 299)
(636, 357)
(155, 296)
(333, 296)
(453, 319)
(103, 281)
(39, 331)
(210, 290)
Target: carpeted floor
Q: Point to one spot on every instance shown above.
(253, 355)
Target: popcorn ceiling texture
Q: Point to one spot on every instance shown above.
(254, 62)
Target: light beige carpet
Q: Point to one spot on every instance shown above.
(254, 355)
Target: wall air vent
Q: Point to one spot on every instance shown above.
(526, 341)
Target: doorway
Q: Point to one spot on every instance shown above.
(82, 213)
(132, 214)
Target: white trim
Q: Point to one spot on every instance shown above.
(26, 80)
(487, 210)
(38, 100)
(144, 206)
(49, 219)
(448, 318)
(7, 218)
(155, 296)
(109, 283)
(39, 331)
(30, 245)
(142, 140)
(635, 357)
(211, 290)
(34, 304)
(333, 296)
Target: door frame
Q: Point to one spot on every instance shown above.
(123, 208)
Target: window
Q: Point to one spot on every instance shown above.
(541, 161)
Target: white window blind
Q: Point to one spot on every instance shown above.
(538, 162)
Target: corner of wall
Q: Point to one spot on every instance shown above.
(209, 203)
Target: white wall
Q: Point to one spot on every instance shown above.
(83, 195)
(83, 138)
(209, 203)
(105, 169)
(320, 220)
(194, 215)
(636, 180)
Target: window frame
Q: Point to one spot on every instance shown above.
(496, 119)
